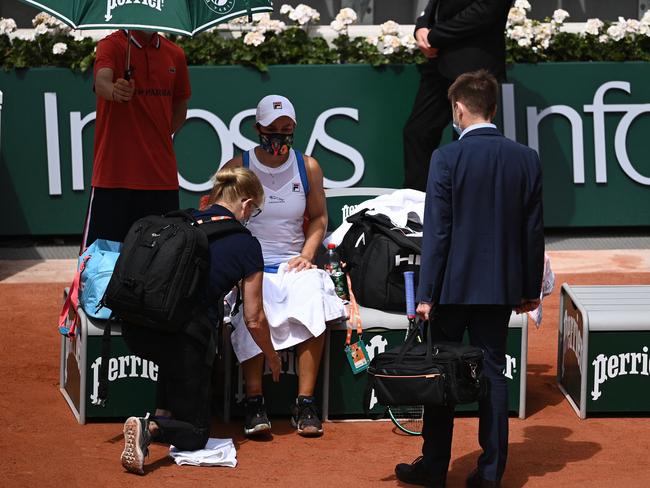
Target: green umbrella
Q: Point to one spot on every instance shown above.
(185, 17)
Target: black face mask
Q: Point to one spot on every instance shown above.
(276, 144)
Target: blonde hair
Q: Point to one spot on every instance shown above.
(232, 184)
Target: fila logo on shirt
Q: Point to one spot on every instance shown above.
(296, 187)
(113, 4)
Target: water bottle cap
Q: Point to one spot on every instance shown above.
(331, 245)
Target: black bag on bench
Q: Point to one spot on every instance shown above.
(422, 373)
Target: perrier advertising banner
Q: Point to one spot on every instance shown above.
(588, 120)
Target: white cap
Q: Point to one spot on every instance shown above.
(273, 106)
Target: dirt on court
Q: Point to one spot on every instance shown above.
(43, 445)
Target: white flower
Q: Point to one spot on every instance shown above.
(516, 16)
(269, 25)
(524, 42)
(239, 21)
(646, 18)
(304, 14)
(347, 16)
(49, 21)
(286, 9)
(7, 26)
(389, 43)
(560, 15)
(374, 40)
(338, 26)
(254, 38)
(603, 39)
(41, 29)
(616, 31)
(390, 28)
(522, 4)
(408, 42)
(523, 34)
(59, 48)
(543, 33)
(632, 26)
(593, 26)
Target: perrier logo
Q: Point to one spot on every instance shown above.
(221, 7)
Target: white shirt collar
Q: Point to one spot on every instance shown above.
(477, 126)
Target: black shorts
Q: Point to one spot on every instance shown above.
(112, 211)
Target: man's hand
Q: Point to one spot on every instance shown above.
(423, 310)
(422, 40)
(123, 90)
(299, 263)
(527, 305)
(275, 365)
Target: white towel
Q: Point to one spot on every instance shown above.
(217, 452)
(399, 206)
(297, 306)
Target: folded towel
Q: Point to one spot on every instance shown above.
(217, 452)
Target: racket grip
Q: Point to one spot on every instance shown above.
(409, 289)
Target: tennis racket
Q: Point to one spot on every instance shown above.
(408, 418)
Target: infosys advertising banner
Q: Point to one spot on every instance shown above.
(589, 122)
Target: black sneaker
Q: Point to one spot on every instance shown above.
(304, 417)
(417, 473)
(136, 443)
(256, 421)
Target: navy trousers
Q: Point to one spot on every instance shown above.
(488, 329)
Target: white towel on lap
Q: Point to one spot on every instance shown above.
(217, 452)
(297, 306)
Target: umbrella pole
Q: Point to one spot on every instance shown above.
(127, 71)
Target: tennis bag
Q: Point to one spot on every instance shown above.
(162, 270)
(377, 254)
(421, 373)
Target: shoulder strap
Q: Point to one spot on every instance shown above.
(383, 226)
(245, 159)
(219, 226)
(303, 171)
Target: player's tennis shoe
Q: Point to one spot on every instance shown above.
(304, 417)
(136, 443)
(256, 421)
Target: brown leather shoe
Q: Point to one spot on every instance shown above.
(475, 480)
(417, 473)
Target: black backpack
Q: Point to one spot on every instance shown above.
(161, 274)
(376, 254)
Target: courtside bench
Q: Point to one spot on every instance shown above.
(131, 379)
(343, 390)
(603, 363)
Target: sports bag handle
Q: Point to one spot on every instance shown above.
(186, 214)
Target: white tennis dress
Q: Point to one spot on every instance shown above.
(297, 304)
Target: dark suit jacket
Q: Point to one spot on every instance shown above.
(483, 239)
(468, 33)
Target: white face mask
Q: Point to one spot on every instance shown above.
(455, 124)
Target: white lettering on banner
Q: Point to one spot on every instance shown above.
(77, 125)
(52, 142)
(113, 4)
(377, 345)
(118, 368)
(347, 210)
(319, 135)
(511, 367)
(610, 367)
(572, 339)
(598, 108)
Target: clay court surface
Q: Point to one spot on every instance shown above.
(43, 445)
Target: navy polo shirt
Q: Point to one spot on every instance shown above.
(232, 257)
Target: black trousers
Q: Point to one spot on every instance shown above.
(112, 211)
(488, 329)
(183, 386)
(430, 115)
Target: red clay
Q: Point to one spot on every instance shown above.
(43, 445)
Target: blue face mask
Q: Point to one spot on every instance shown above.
(456, 127)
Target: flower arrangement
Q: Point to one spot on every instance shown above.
(293, 40)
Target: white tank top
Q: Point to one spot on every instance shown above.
(279, 226)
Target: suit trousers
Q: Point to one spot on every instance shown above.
(488, 329)
(183, 386)
(430, 115)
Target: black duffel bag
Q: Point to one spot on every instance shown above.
(377, 254)
(422, 373)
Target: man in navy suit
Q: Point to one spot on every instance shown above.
(482, 257)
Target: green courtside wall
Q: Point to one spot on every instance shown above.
(590, 121)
